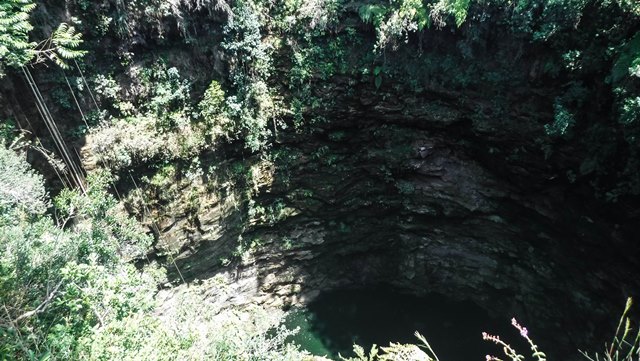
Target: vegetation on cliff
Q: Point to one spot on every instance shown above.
(79, 277)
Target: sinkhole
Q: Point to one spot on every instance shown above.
(338, 319)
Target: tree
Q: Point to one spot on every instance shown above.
(15, 47)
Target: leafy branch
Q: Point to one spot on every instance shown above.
(15, 48)
(61, 46)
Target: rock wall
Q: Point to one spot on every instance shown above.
(376, 197)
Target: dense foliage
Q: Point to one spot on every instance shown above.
(593, 55)
(587, 51)
(68, 287)
(68, 293)
(15, 47)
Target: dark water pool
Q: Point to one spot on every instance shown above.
(338, 319)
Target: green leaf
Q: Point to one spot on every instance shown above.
(372, 13)
(627, 61)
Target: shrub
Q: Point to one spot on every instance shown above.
(396, 352)
(194, 331)
(625, 346)
(30, 195)
(214, 111)
(563, 121)
(55, 284)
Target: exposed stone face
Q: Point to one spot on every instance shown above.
(402, 190)
(411, 208)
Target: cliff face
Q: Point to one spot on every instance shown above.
(382, 196)
(427, 188)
